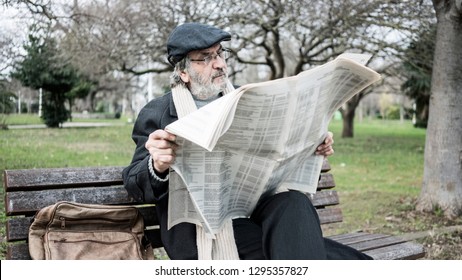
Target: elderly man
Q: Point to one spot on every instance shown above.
(283, 226)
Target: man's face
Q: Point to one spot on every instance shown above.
(206, 80)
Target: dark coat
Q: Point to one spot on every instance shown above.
(180, 240)
(157, 114)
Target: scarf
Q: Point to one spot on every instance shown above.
(223, 247)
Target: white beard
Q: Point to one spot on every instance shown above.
(203, 89)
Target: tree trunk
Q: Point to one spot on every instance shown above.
(348, 115)
(442, 180)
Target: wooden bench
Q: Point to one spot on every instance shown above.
(28, 190)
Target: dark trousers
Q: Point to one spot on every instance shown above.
(286, 226)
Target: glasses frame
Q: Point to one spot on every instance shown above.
(223, 53)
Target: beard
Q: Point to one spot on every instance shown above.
(203, 87)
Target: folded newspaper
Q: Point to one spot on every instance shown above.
(258, 140)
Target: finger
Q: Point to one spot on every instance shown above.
(163, 135)
(155, 151)
(329, 138)
(161, 139)
(326, 151)
(322, 147)
(329, 152)
(162, 144)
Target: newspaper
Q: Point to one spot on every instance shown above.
(258, 140)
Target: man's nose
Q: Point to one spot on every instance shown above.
(218, 62)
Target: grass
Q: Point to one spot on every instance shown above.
(69, 147)
(15, 119)
(378, 173)
(379, 166)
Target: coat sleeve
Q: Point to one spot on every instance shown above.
(137, 180)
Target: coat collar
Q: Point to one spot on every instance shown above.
(173, 112)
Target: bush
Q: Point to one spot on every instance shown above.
(393, 113)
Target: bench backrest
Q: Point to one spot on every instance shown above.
(29, 190)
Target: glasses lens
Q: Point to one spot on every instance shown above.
(225, 54)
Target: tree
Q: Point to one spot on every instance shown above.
(442, 180)
(417, 67)
(42, 68)
(271, 38)
(395, 19)
(7, 104)
(292, 36)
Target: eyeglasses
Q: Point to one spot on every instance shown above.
(223, 54)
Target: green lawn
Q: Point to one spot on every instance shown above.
(378, 172)
(34, 148)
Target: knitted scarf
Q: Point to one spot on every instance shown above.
(223, 247)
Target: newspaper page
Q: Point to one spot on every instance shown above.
(259, 139)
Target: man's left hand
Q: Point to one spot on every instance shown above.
(325, 149)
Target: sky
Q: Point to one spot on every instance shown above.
(12, 30)
(10, 22)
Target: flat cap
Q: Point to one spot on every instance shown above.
(192, 36)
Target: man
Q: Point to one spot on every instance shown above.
(283, 226)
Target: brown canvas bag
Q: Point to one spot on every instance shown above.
(74, 231)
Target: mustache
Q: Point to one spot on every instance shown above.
(219, 73)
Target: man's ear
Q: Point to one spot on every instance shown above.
(184, 76)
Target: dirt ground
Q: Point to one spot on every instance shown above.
(445, 246)
(441, 237)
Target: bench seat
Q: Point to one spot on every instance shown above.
(29, 190)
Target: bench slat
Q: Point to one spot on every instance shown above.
(403, 251)
(18, 229)
(357, 237)
(22, 179)
(375, 243)
(330, 215)
(339, 237)
(18, 251)
(326, 181)
(324, 198)
(41, 178)
(380, 246)
(28, 202)
(325, 166)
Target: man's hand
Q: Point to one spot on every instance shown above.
(161, 145)
(325, 148)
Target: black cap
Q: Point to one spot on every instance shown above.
(192, 36)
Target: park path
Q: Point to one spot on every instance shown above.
(66, 124)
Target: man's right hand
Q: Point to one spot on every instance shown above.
(161, 145)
